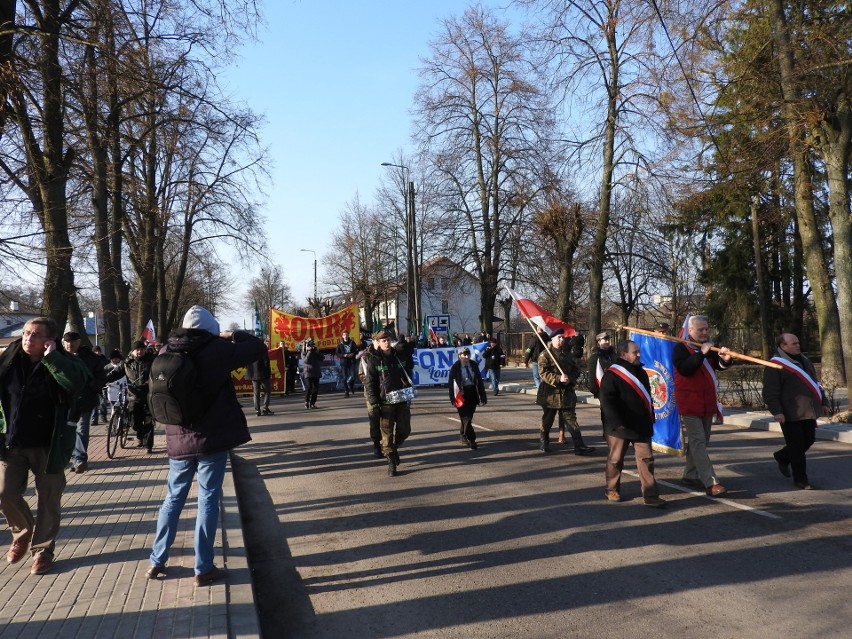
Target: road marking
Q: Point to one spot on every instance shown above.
(453, 419)
(727, 502)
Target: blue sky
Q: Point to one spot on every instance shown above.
(335, 80)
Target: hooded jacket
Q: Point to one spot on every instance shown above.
(223, 425)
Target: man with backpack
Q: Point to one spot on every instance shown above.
(203, 423)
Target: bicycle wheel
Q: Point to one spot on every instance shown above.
(112, 433)
(125, 430)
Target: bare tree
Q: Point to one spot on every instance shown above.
(601, 54)
(268, 289)
(484, 122)
(360, 264)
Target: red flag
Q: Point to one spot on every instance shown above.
(433, 335)
(148, 332)
(458, 398)
(538, 316)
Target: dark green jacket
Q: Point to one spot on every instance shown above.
(68, 375)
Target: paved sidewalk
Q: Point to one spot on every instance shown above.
(98, 589)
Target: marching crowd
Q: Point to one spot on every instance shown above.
(51, 392)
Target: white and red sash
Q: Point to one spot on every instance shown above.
(799, 372)
(636, 385)
(708, 370)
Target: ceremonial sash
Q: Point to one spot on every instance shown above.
(635, 384)
(708, 370)
(799, 372)
(599, 371)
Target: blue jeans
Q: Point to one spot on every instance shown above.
(211, 473)
(81, 446)
(348, 375)
(536, 376)
(494, 376)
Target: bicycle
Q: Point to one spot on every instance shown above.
(118, 429)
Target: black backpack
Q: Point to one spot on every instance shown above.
(174, 394)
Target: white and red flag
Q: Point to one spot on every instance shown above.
(458, 397)
(148, 332)
(535, 314)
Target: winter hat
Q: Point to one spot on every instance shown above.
(200, 317)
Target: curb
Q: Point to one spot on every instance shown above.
(242, 612)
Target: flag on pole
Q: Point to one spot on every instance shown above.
(148, 333)
(684, 330)
(258, 326)
(458, 397)
(538, 316)
(433, 335)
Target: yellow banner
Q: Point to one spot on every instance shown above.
(326, 331)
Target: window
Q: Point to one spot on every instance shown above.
(445, 307)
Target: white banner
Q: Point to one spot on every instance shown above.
(432, 365)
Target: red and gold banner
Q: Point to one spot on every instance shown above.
(277, 381)
(325, 331)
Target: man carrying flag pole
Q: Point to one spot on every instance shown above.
(559, 372)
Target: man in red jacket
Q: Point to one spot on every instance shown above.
(695, 395)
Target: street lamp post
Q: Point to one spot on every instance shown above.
(315, 274)
(412, 276)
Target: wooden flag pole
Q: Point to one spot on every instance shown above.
(748, 358)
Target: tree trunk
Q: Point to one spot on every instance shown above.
(762, 297)
(837, 132)
(824, 299)
(605, 205)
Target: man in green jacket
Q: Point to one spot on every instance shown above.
(37, 383)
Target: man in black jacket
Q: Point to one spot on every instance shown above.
(628, 418)
(260, 374)
(87, 400)
(137, 369)
(796, 400)
(345, 352)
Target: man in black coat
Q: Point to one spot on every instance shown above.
(466, 393)
(260, 374)
(796, 400)
(628, 418)
(88, 399)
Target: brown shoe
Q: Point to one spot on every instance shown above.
(207, 578)
(155, 572)
(655, 501)
(43, 562)
(717, 490)
(18, 549)
(613, 495)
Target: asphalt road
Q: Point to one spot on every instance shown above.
(508, 542)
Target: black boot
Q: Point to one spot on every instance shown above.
(580, 447)
(545, 444)
(377, 450)
(391, 466)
